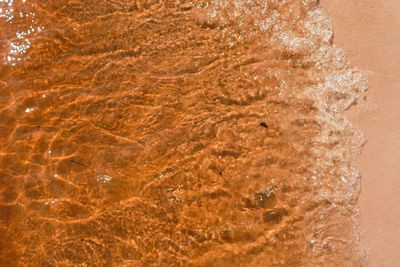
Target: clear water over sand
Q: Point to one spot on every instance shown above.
(176, 133)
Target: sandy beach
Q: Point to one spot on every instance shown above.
(368, 31)
(198, 133)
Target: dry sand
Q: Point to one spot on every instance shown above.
(369, 32)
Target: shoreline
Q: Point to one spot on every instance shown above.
(365, 30)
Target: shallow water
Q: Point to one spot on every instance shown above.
(176, 133)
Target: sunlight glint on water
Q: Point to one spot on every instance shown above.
(176, 133)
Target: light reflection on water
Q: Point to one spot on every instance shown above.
(169, 133)
(26, 24)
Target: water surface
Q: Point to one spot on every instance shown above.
(175, 133)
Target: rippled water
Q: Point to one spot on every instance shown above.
(175, 133)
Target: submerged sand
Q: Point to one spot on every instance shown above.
(175, 133)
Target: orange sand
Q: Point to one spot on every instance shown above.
(368, 31)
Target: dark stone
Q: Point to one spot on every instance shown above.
(275, 215)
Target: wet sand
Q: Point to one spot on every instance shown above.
(368, 31)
